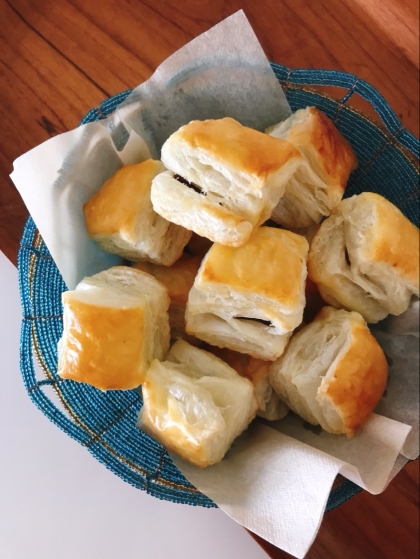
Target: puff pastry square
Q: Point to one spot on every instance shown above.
(250, 298)
(365, 257)
(224, 179)
(195, 404)
(327, 161)
(333, 372)
(115, 323)
(120, 217)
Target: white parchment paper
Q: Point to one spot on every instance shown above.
(277, 486)
(276, 479)
(56, 178)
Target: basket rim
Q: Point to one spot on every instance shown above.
(390, 123)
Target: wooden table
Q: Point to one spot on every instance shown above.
(59, 58)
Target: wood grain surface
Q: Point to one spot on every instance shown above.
(60, 58)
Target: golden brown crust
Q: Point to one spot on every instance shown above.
(240, 147)
(335, 156)
(103, 344)
(359, 378)
(116, 206)
(392, 239)
(178, 278)
(281, 254)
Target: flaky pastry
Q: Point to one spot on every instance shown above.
(120, 217)
(115, 324)
(327, 161)
(223, 179)
(365, 257)
(333, 372)
(195, 404)
(250, 298)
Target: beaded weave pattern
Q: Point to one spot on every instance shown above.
(105, 423)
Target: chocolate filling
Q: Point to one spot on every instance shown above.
(265, 322)
(189, 184)
(346, 256)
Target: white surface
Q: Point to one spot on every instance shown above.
(58, 502)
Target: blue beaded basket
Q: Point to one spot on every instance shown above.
(105, 423)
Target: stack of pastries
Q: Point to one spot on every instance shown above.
(230, 293)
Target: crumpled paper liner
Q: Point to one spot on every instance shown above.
(277, 486)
